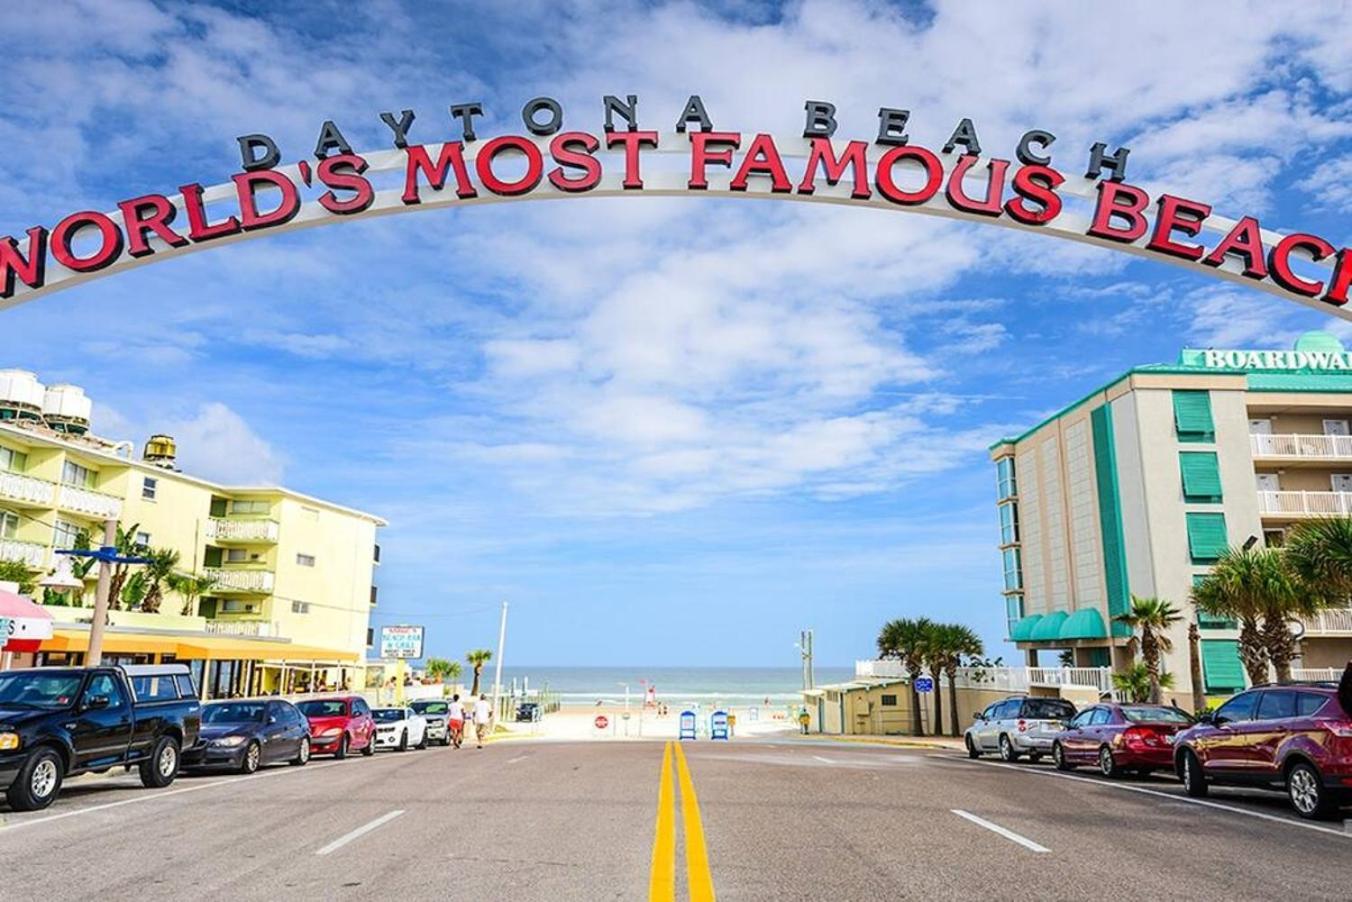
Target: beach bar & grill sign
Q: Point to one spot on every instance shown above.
(550, 157)
(401, 642)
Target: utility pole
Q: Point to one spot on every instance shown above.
(95, 654)
(805, 647)
(497, 674)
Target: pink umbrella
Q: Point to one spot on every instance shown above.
(23, 624)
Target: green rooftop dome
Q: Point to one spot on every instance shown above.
(1319, 341)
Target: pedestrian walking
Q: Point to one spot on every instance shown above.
(483, 714)
(455, 715)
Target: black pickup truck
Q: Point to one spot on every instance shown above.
(57, 722)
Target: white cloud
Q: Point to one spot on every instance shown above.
(217, 444)
(1330, 184)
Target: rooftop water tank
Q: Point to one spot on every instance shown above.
(66, 409)
(21, 395)
(161, 450)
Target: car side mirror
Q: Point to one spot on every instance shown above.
(978, 716)
(96, 702)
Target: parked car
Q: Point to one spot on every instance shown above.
(399, 728)
(244, 735)
(57, 722)
(1017, 726)
(527, 712)
(437, 713)
(340, 725)
(1120, 738)
(1296, 738)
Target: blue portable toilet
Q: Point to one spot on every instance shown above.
(718, 725)
(687, 725)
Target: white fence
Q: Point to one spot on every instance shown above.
(1308, 446)
(1305, 504)
(240, 580)
(26, 488)
(29, 553)
(1329, 622)
(242, 530)
(1011, 679)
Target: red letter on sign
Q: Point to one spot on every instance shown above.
(247, 183)
(1134, 201)
(1244, 240)
(198, 228)
(995, 187)
(535, 165)
(32, 271)
(824, 155)
(1184, 215)
(701, 156)
(1342, 276)
(344, 173)
(452, 154)
(1038, 184)
(161, 213)
(573, 150)
(1279, 262)
(887, 187)
(110, 241)
(762, 158)
(632, 141)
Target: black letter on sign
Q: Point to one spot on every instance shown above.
(964, 134)
(892, 126)
(534, 106)
(330, 139)
(399, 128)
(249, 145)
(1025, 149)
(821, 119)
(466, 112)
(1098, 161)
(628, 111)
(694, 111)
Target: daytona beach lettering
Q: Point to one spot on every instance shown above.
(1023, 191)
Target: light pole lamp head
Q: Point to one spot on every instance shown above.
(63, 579)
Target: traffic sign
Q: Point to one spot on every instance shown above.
(924, 684)
(602, 721)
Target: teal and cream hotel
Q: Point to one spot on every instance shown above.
(1138, 487)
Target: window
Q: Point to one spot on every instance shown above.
(1006, 485)
(375, 593)
(993, 710)
(370, 636)
(1013, 610)
(377, 554)
(1009, 710)
(250, 507)
(154, 688)
(1240, 708)
(236, 606)
(305, 560)
(1201, 476)
(11, 460)
(1048, 709)
(102, 685)
(1192, 416)
(143, 539)
(76, 475)
(1277, 704)
(1309, 703)
(359, 707)
(1152, 714)
(66, 535)
(1009, 524)
(1013, 575)
(1207, 539)
(300, 607)
(9, 524)
(148, 487)
(889, 701)
(185, 686)
(1101, 716)
(237, 556)
(1082, 719)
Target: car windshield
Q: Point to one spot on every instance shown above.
(233, 712)
(1152, 714)
(321, 708)
(39, 690)
(1048, 709)
(388, 715)
(431, 707)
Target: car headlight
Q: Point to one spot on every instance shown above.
(9, 742)
(230, 741)
(331, 731)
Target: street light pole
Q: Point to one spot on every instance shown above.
(497, 673)
(95, 655)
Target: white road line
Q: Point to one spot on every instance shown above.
(517, 758)
(822, 760)
(1155, 792)
(360, 831)
(996, 828)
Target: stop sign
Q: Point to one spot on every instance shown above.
(602, 721)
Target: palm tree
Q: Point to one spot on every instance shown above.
(1152, 617)
(126, 545)
(157, 573)
(1195, 668)
(18, 572)
(441, 669)
(191, 586)
(477, 659)
(904, 640)
(961, 642)
(1139, 684)
(1320, 553)
(936, 654)
(1233, 590)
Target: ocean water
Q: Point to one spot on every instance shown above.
(674, 685)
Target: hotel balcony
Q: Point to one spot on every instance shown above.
(249, 582)
(227, 531)
(1330, 623)
(1300, 505)
(30, 553)
(90, 503)
(252, 627)
(1301, 450)
(15, 487)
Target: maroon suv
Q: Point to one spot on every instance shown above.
(1296, 737)
(1121, 738)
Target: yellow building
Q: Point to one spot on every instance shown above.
(291, 576)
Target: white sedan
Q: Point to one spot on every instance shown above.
(399, 728)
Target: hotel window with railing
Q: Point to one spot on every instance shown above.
(1004, 477)
(1013, 571)
(66, 535)
(12, 461)
(250, 507)
(73, 474)
(9, 524)
(1013, 611)
(1009, 523)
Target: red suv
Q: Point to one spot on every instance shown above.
(1296, 737)
(340, 725)
(1121, 738)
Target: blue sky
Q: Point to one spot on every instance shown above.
(668, 431)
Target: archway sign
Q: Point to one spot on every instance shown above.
(629, 157)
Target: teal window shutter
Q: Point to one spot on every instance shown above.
(1222, 669)
(1207, 539)
(1192, 416)
(1201, 476)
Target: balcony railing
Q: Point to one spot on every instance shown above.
(1330, 622)
(264, 628)
(256, 581)
(222, 530)
(30, 553)
(18, 487)
(1011, 679)
(1316, 447)
(87, 501)
(1305, 504)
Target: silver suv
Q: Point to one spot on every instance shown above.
(1018, 726)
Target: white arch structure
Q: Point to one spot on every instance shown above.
(1072, 223)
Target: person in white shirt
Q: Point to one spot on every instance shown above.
(455, 716)
(483, 714)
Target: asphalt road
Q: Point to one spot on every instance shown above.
(563, 821)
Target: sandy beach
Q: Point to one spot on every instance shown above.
(580, 722)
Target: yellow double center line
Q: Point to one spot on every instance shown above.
(662, 876)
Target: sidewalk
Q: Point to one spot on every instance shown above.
(946, 743)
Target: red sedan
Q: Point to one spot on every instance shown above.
(1120, 737)
(340, 725)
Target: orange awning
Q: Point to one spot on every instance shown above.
(216, 648)
(116, 643)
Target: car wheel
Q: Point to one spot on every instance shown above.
(1007, 752)
(972, 750)
(423, 744)
(1194, 781)
(1107, 764)
(403, 741)
(369, 749)
(342, 748)
(253, 756)
(38, 781)
(1059, 758)
(160, 769)
(303, 753)
(1308, 795)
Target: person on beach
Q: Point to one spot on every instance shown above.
(455, 717)
(483, 714)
